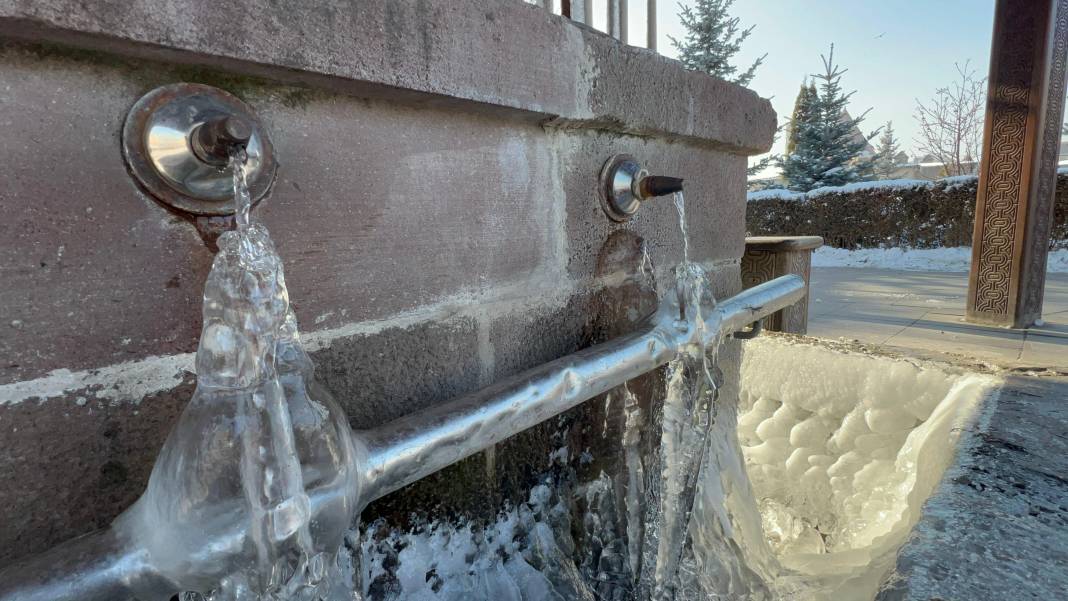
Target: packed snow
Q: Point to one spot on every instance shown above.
(779, 193)
(886, 184)
(915, 259)
(950, 183)
(842, 450)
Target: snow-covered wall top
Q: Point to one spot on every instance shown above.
(889, 213)
(879, 185)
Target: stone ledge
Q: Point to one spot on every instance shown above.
(496, 53)
(783, 243)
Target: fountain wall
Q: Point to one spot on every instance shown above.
(436, 207)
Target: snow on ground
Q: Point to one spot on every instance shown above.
(915, 259)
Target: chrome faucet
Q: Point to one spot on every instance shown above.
(625, 184)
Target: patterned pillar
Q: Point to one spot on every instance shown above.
(1021, 140)
(768, 257)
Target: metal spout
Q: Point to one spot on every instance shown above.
(652, 186)
(216, 139)
(177, 140)
(625, 184)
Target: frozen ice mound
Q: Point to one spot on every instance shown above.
(842, 450)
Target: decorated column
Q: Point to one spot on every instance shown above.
(1021, 141)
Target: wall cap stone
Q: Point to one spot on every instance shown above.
(485, 54)
(783, 243)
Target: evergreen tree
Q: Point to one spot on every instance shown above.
(886, 155)
(826, 152)
(802, 113)
(712, 38)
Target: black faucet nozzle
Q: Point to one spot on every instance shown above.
(216, 139)
(659, 185)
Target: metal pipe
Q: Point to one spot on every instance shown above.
(613, 18)
(415, 446)
(97, 566)
(110, 566)
(577, 10)
(650, 24)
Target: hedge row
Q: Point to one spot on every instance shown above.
(897, 213)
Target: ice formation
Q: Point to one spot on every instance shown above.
(842, 449)
(257, 440)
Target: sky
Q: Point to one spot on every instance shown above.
(895, 50)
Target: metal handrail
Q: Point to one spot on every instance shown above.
(113, 564)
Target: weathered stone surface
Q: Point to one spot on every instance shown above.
(996, 527)
(70, 465)
(377, 209)
(523, 59)
(379, 377)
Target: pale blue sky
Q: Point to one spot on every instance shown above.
(895, 50)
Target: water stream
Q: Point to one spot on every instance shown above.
(687, 416)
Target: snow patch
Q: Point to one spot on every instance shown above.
(886, 184)
(779, 193)
(949, 184)
(952, 259)
(959, 181)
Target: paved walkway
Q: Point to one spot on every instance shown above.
(923, 311)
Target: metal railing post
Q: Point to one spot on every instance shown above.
(650, 24)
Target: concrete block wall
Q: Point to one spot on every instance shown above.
(435, 206)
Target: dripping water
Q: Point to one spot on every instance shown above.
(680, 207)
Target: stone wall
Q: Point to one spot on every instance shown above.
(435, 206)
(902, 213)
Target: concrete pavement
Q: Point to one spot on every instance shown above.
(923, 312)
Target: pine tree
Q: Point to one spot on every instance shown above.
(826, 152)
(712, 39)
(802, 113)
(886, 155)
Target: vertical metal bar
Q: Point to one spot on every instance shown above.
(587, 12)
(613, 18)
(623, 36)
(580, 11)
(650, 24)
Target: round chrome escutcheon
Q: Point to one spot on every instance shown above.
(157, 145)
(617, 179)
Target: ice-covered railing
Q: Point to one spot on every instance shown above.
(125, 561)
(252, 492)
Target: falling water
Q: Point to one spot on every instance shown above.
(687, 415)
(242, 198)
(680, 207)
